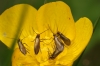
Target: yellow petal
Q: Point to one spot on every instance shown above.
(10, 19)
(84, 29)
(57, 15)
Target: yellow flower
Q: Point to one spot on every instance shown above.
(46, 21)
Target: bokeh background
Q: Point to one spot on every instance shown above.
(79, 8)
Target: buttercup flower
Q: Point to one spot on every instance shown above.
(46, 21)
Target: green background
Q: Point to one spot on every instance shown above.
(79, 8)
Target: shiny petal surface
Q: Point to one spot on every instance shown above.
(10, 21)
(84, 30)
(56, 16)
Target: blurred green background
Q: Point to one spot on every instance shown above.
(79, 8)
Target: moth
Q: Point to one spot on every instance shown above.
(37, 42)
(64, 38)
(22, 47)
(59, 46)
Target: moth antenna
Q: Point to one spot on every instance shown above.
(33, 30)
(44, 31)
(50, 29)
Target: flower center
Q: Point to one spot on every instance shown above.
(47, 48)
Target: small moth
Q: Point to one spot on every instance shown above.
(59, 46)
(64, 38)
(22, 47)
(37, 42)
